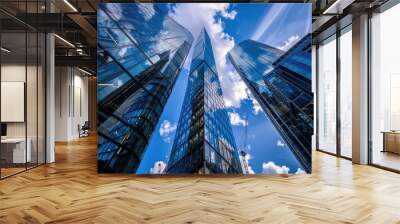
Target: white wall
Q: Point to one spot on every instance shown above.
(17, 73)
(33, 126)
(14, 72)
(71, 102)
(61, 103)
(80, 112)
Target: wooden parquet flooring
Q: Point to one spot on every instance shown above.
(71, 191)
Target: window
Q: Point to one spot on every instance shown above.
(22, 65)
(385, 89)
(346, 92)
(327, 95)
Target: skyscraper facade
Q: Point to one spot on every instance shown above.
(141, 51)
(281, 83)
(204, 141)
(252, 60)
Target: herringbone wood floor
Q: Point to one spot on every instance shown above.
(71, 191)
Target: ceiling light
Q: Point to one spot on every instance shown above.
(84, 71)
(65, 41)
(337, 7)
(70, 5)
(80, 51)
(5, 50)
(333, 6)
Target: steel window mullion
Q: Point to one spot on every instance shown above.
(369, 91)
(26, 86)
(37, 91)
(338, 73)
(0, 93)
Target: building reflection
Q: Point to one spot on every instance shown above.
(204, 142)
(281, 82)
(141, 51)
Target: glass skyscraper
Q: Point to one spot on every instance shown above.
(204, 142)
(140, 53)
(252, 60)
(281, 82)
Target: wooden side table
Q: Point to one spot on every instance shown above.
(391, 141)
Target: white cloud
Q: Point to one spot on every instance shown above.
(166, 130)
(234, 89)
(158, 168)
(272, 168)
(256, 106)
(194, 17)
(146, 10)
(229, 15)
(289, 43)
(300, 171)
(235, 119)
(279, 143)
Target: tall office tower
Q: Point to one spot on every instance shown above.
(140, 53)
(204, 141)
(281, 83)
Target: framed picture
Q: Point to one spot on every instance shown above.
(201, 88)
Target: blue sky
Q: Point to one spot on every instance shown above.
(279, 25)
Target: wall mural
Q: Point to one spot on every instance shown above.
(200, 88)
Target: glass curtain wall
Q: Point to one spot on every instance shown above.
(327, 95)
(385, 89)
(22, 88)
(345, 58)
(334, 69)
